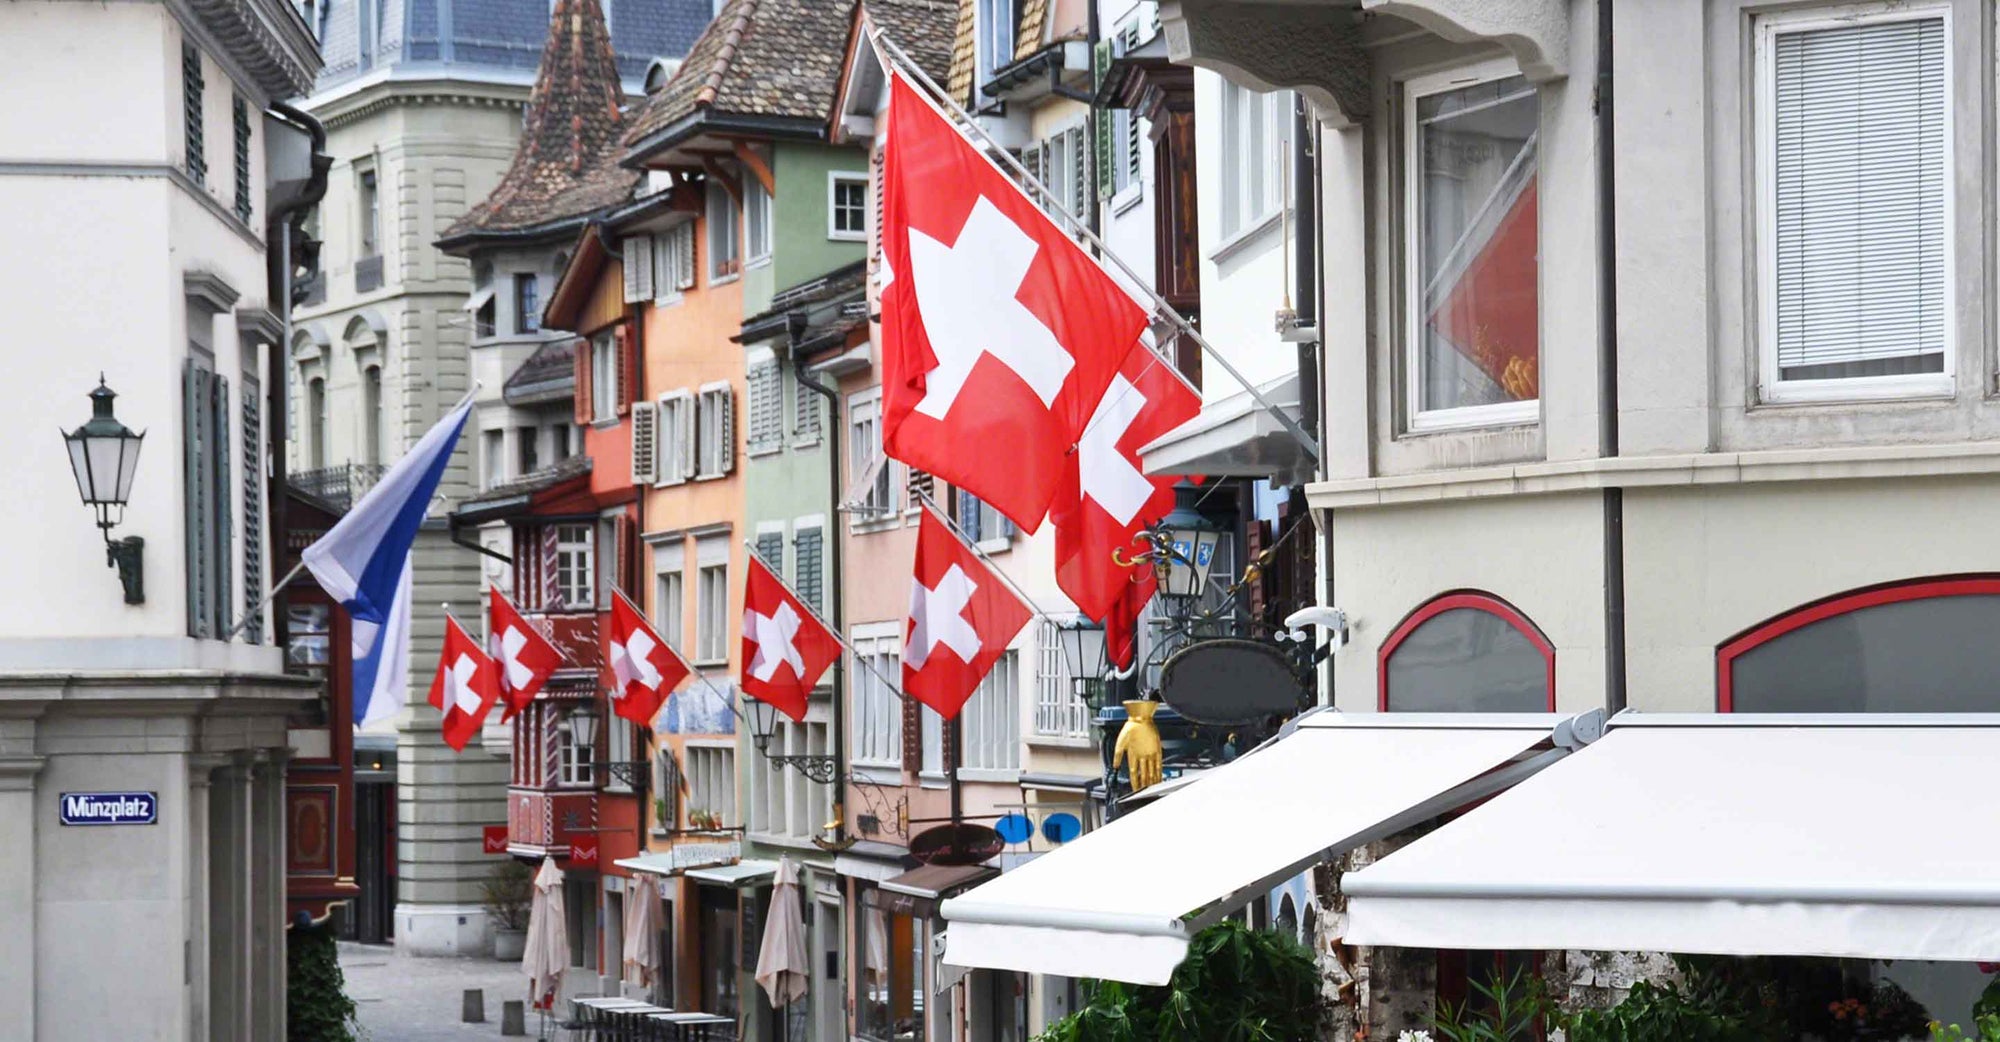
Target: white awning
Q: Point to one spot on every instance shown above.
(478, 298)
(1856, 836)
(1121, 902)
(1232, 437)
(741, 873)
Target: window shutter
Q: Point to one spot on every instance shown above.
(253, 509)
(876, 166)
(771, 550)
(194, 464)
(684, 438)
(921, 485)
(1104, 122)
(1080, 193)
(638, 269)
(725, 430)
(627, 535)
(968, 515)
(684, 251)
(628, 365)
(913, 735)
(645, 443)
(807, 567)
(582, 398)
(805, 421)
(221, 534)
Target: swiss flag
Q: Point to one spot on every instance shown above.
(1106, 496)
(645, 668)
(525, 657)
(997, 330)
(466, 685)
(1121, 623)
(961, 620)
(785, 646)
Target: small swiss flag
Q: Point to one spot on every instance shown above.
(525, 657)
(785, 646)
(645, 668)
(466, 685)
(962, 617)
(997, 329)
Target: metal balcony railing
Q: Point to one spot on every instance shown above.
(339, 485)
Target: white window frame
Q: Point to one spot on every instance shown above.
(1421, 420)
(725, 228)
(576, 765)
(675, 425)
(711, 634)
(994, 51)
(567, 545)
(1765, 68)
(834, 180)
(619, 747)
(992, 728)
(1241, 163)
(757, 231)
(1061, 718)
(711, 440)
(670, 605)
(603, 376)
(711, 774)
(864, 410)
(1128, 168)
(673, 267)
(878, 709)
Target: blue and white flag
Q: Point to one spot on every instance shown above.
(364, 563)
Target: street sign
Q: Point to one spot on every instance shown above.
(1231, 682)
(110, 808)
(495, 837)
(958, 843)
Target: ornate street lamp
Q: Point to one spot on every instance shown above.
(763, 721)
(583, 727)
(104, 454)
(1083, 652)
(1186, 544)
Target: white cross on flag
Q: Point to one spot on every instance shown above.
(962, 618)
(1106, 497)
(785, 646)
(645, 669)
(525, 657)
(997, 329)
(465, 687)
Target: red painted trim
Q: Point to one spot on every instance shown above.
(1447, 602)
(1839, 604)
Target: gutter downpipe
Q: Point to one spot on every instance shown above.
(795, 324)
(1607, 368)
(278, 292)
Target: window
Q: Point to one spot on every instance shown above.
(981, 522)
(878, 710)
(1913, 647)
(993, 720)
(766, 391)
(576, 764)
(493, 457)
(805, 416)
(895, 949)
(670, 593)
(712, 782)
(191, 113)
(618, 749)
(998, 27)
(208, 493)
(847, 207)
(865, 456)
(1256, 137)
(1126, 138)
(711, 623)
(371, 216)
(1854, 155)
(1059, 713)
(1467, 653)
(603, 376)
(930, 733)
(666, 789)
(371, 413)
(724, 240)
(715, 431)
(527, 452)
(484, 320)
(1473, 325)
(575, 569)
(316, 416)
(1063, 163)
(756, 221)
(676, 424)
(673, 262)
(240, 122)
(527, 304)
(783, 801)
(808, 564)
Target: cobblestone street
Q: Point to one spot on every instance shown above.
(405, 999)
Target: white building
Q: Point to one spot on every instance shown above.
(141, 234)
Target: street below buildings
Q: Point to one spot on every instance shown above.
(405, 999)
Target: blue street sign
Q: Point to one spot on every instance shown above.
(110, 808)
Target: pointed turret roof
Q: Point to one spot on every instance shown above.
(567, 166)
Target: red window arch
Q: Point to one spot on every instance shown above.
(1461, 601)
(1858, 608)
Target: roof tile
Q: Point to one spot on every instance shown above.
(757, 58)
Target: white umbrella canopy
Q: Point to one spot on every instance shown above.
(642, 930)
(782, 960)
(547, 954)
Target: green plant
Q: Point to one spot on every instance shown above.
(507, 892)
(1506, 1011)
(1985, 1028)
(1236, 985)
(317, 1008)
(1666, 1013)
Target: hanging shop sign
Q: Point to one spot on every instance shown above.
(110, 808)
(583, 852)
(1230, 681)
(957, 843)
(494, 839)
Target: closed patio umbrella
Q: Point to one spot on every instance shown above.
(781, 962)
(642, 930)
(547, 954)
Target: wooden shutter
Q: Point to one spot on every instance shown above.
(684, 254)
(808, 570)
(253, 508)
(876, 166)
(195, 479)
(921, 484)
(582, 398)
(684, 437)
(771, 549)
(221, 530)
(638, 251)
(913, 735)
(725, 429)
(645, 443)
(1080, 194)
(627, 535)
(628, 367)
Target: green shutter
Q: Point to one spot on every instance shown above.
(253, 509)
(195, 464)
(221, 533)
(1102, 123)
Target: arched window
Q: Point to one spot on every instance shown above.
(316, 413)
(1467, 652)
(371, 412)
(1921, 646)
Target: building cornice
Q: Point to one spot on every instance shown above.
(268, 39)
(1879, 463)
(352, 102)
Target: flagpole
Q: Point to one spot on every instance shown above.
(885, 48)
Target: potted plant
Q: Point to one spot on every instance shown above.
(508, 891)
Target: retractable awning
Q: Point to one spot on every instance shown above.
(1121, 902)
(1854, 836)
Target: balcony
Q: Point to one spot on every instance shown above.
(338, 485)
(368, 274)
(575, 635)
(544, 823)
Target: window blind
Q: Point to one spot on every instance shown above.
(1859, 208)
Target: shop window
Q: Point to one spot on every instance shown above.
(719, 952)
(894, 952)
(1924, 646)
(1467, 653)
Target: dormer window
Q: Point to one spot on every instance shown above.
(998, 25)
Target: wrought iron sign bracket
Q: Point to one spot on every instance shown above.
(818, 769)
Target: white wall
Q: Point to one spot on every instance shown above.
(1243, 283)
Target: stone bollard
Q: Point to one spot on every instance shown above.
(513, 1017)
(475, 1006)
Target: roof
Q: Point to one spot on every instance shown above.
(567, 164)
(504, 498)
(922, 28)
(768, 59)
(1029, 36)
(547, 375)
(935, 881)
(805, 296)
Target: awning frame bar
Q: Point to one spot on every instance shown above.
(1804, 893)
(1634, 718)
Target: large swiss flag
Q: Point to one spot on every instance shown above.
(785, 646)
(465, 687)
(525, 657)
(999, 334)
(644, 669)
(1106, 496)
(962, 617)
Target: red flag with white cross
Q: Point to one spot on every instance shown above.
(785, 646)
(466, 685)
(962, 617)
(1106, 496)
(997, 329)
(525, 658)
(644, 669)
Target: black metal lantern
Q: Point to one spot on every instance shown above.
(763, 720)
(583, 727)
(104, 455)
(1083, 649)
(1187, 546)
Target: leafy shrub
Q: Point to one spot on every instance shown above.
(1235, 986)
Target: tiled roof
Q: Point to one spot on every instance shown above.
(527, 484)
(1034, 18)
(547, 375)
(923, 28)
(757, 58)
(963, 55)
(566, 167)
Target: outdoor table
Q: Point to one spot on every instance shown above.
(609, 1017)
(690, 1025)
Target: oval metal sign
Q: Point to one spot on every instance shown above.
(957, 843)
(1230, 681)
